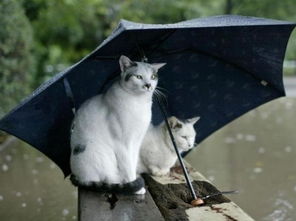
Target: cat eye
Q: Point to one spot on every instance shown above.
(154, 76)
(139, 77)
(184, 137)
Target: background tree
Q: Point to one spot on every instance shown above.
(15, 54)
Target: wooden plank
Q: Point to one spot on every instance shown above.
(99, 206)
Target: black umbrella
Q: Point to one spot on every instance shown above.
(218, 68)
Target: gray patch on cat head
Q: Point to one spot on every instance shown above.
(178, 125)
(128, 76)
(130, 71)
(80, 148)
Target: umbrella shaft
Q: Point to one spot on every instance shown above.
(162, 108)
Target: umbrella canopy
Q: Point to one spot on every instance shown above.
(218, 68)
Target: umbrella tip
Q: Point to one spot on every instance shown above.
(197, 202)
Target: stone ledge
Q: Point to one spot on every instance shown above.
(173, 198)
(167, 198)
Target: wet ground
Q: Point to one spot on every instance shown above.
(32, 187)
(254, 154)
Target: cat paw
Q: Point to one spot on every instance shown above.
(155, 171)
(160, 172)
(141, 191)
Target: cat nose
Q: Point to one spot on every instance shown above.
(147, 86)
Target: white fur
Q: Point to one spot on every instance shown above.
(112, 127)
(157, 154)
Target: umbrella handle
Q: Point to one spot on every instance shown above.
(165, 115)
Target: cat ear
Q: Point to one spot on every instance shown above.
(174, 123)
(193, 120)
(157, 66)
(125, 63)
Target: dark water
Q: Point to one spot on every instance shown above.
(255, 155)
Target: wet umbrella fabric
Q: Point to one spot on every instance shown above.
(217, 68)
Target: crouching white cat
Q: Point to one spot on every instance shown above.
(108, 130)
(157, 154)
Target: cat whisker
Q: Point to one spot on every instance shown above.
(161, 96)
(161, 93)
(161, 88)
(158, 90)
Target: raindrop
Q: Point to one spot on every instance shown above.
(179, 86)
(39, 159)
(24, 205)
(49, 68)
(264, 115)
(239, 136)
(192, 57)
(264, 83)
(65, 212)
(195, 76)
(229, 140)
(193, 88)
(74, 217)
(250, 138)
(34, 171)
(230, 83)
(8, 158)
(211, 178)
(257, 170)
(39, 200)
(288, 149)
(4, 167)
(261, 150)
(52, 166)
(1, 197)
(196, 105)
(18, 194)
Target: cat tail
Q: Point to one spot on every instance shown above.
(126, 188)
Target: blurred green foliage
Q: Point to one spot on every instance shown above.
(15, 54)
(66, 30)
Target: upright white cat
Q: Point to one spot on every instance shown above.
(157, 154)
(108, 130)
